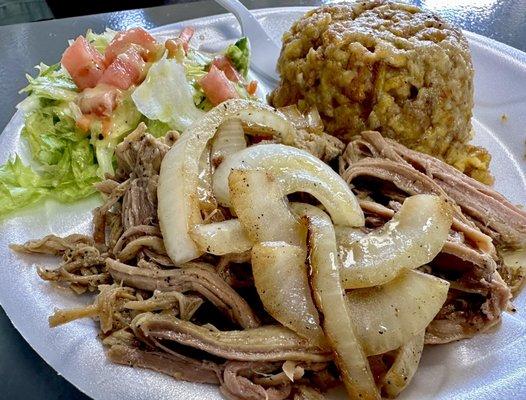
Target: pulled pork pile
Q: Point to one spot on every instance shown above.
(383, 173)
(153, 315)
(203, 321)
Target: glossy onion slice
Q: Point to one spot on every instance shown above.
(207, 202)
(178, 204)
(262, 208)
(413, 237)
(345, 238)
(331, 301)
(220, 238)
(230, 139)
(297, 171)
(385, 317)
(404, 367)
(280, 276)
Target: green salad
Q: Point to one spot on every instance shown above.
(76, 115)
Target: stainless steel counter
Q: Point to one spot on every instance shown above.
(23, 374)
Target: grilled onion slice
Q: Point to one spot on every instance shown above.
(178, 203)
(262, 208)
(280, 275)
(413, 237)
(296, 171)
(220, 238)
(385, 317)
(279, 254)
(230, 139)
(331, 301)
(207, 202)
(404, 367)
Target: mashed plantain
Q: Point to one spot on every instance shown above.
(388, 67)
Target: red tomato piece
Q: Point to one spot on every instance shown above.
(217, 87)
(224, 64)
(126, 69)
(122, 41)
(84, 63)
(185, 36)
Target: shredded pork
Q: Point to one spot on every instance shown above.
(202, 321)
(384, 170)
(150, 313)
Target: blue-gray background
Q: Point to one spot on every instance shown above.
(23, 374)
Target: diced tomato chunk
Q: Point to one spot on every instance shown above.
(217, 87)
(185, 36)
(126, 69)
(252, 87)
(122, 41)
(100, 100)
(84, 63)
(224, 64)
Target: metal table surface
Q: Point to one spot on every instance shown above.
(23, 374)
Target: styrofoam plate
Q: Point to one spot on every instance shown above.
(489, 366)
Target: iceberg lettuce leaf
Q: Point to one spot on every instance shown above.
(167, 96)
(100, 40)
(123, 120)
(52, 82)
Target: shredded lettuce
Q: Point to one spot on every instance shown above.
(198, 58)
(100, 40)
(167, 96)
(239, 55)
(18, 186)
(124, 119)
(70, 179)
(66, 161)
(156, 127)
(49, 130)
(65, 165)
(195, 64)
(52, 82)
